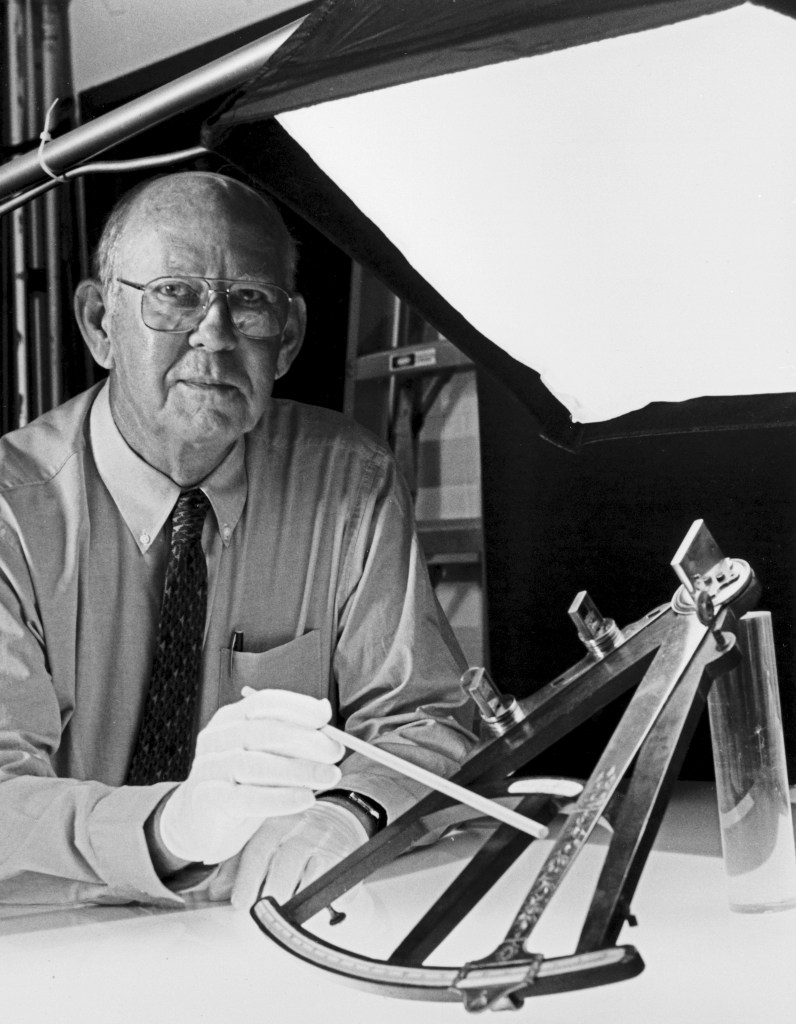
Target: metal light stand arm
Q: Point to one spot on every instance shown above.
(92, 138)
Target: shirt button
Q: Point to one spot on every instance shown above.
(225, 532)
(144, 538)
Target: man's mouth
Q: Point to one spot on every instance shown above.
(211, 384)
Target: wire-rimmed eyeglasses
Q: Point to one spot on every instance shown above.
(177, 305)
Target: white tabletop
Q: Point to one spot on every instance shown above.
(213, 966)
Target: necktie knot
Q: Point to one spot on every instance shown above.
(188, 517)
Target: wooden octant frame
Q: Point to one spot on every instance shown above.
(671, 656)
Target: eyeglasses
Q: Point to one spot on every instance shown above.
(177, 305)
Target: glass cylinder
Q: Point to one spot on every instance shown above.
(751, 777)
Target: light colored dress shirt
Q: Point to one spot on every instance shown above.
(311, 554)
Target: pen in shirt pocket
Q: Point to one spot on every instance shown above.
(235, 644)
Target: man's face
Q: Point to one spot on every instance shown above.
(211, 385)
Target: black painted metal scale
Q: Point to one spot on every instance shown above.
(671, 656)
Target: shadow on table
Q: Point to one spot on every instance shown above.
(690, 826)
(18, 920)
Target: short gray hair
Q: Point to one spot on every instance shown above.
(106, 254)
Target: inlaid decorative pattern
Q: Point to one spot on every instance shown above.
(576, 831)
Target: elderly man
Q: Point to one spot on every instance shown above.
(174, 537)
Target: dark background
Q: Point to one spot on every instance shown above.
(609, 520)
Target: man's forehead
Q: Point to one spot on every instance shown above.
(193, 194)
(183, 224)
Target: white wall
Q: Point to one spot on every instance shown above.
(111, 38)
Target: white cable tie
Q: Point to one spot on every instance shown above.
(45, 138)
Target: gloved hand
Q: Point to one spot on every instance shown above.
(289, 853)
(259, 758)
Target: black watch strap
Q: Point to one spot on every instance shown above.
(372, 808)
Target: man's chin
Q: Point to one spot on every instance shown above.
(205, 413)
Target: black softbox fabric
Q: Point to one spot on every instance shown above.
(351, 46)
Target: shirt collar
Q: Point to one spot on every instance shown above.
(144, 495)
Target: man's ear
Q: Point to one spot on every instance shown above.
(293, 335)
(90, 310)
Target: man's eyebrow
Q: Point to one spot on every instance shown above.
(268, 263)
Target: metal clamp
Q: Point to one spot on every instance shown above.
(492, 985)
(599, 635)
(708, 579)
(499, 711)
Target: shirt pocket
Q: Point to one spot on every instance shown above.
(293, 666)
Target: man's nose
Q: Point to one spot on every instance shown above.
(215, 331)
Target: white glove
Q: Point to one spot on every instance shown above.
(289, 853)
(259, 758)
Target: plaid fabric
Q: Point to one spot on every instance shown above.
(164, 747)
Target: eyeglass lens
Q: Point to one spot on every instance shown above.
(174, 304)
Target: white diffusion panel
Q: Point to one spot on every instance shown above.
(619, 216)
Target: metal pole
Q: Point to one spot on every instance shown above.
(15, 40)
(131, 118)
(37, 308)
(352, 344)
(393, 393)
(6, 284)
(6, 314)
(84, 260)
(80, 209)
(54, 63)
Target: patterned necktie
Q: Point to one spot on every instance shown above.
(164, 748)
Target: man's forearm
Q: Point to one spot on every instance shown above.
(65, 841)
(165, 863)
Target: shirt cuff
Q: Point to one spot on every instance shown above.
(116, 831)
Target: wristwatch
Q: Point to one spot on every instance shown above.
(374, 810)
